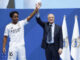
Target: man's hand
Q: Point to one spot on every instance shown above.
(4, 44)
(4, 50)
(60, 51)
(38, 5)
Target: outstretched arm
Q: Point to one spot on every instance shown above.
(34, 12)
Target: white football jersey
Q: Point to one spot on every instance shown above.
(16, 32)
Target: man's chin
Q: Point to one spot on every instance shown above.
(15, 21)
(51, 22)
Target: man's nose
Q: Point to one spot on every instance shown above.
(51, 18)
(16, 18)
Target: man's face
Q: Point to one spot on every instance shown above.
(51, 18)
(15, 18)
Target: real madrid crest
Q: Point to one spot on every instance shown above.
(76, 42)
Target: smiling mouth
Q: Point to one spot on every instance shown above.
(51, 20)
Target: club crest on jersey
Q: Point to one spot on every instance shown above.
(76, 42)
(65, 42)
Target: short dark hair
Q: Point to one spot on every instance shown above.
(12, 13)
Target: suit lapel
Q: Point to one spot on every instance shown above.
(47, 27)
(55, 29)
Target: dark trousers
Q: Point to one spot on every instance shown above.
(51, 53)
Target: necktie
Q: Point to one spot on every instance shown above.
(50, 33)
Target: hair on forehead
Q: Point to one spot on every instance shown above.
(50, 14)
(12, 13)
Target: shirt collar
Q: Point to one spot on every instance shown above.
(52, 24)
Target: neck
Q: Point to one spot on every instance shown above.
(51, 23)
(14, 22)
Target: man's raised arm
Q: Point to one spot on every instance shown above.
(34, 12)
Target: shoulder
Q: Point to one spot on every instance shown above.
(23, 21)
(8, 25)
(20, 21)
(58, 26)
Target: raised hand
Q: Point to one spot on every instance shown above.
(38, 5)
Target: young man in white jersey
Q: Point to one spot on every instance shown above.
(15, 30)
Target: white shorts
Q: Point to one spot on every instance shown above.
(15, 51)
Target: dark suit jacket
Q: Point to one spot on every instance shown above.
(58, 37)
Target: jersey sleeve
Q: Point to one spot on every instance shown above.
(6, 31)
(24, 22)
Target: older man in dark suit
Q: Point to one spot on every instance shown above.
(52, 38)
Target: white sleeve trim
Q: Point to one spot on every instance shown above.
(38, 15)
(24, 22)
